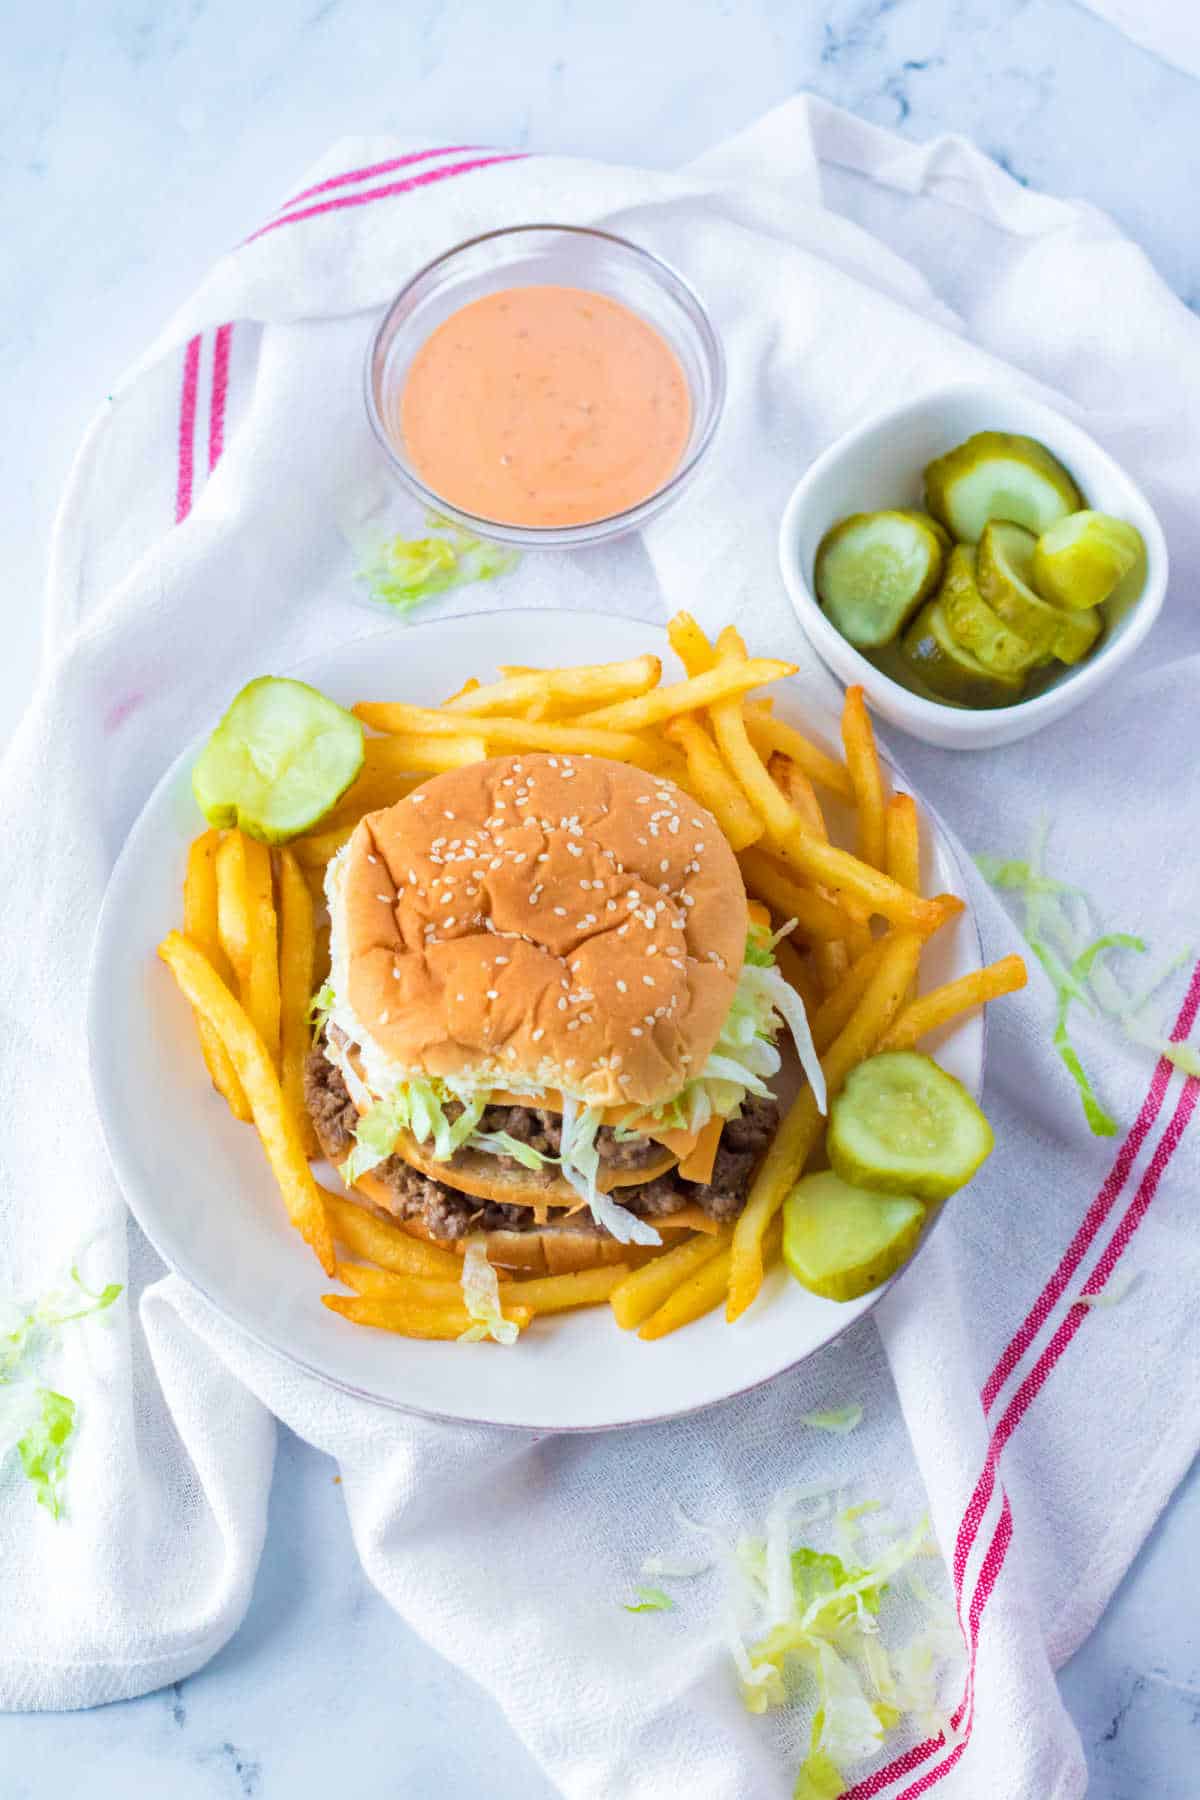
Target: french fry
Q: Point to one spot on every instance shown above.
(588, 685)
(902, 842)
(833, 1014)
(832, 959)
(386, 1284)
(712, 784)
(703, 1291)
(319, 848)
(697, 691)
(796, 972)
(417, 725)
(377, 784)
(767, 734)
(366, 1235)
(943, 1004)
(866, 776)
(469, 686)
(802, 1125)
(690, 644)
(643, 1292)
(413, 751)
(200, 925)
(202, 986)
(409, 1320)
(248, 931)
(816, 919)
(558, 1293)
(297, 954)
(795, 786)
(902, 848)
(698, 1295)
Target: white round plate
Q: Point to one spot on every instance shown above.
(200, 1187)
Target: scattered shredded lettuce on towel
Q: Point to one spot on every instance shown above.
(405, 571)
(839, 1419)
(35, 1419)
(649, 1599)
(1058, 927)
(807, 1622)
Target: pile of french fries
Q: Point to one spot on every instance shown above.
(251, 951)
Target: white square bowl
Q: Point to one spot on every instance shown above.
(878, 465)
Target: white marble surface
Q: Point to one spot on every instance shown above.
(137, 139)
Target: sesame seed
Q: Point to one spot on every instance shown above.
(622, 987)
(372, 859)
(635, 1031)
(572, 1024)
(699, 849)
(647, 981)
(687, 899)
(610, 906)
(492, 994)
(447, 923)
(562, 1005)
(447, 815)
(383, 1017)
(395, 974)
(386, 898)
(651, 949)
(417, 799)
(560, 912)
(663, 866)
(500, 961)
(539, 1034)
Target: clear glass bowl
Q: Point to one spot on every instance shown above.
(530, 255)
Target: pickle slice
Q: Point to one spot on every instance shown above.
(1080, 560)
(872, 572)
(278, 760)
(840, 1242)
(998, 475)
(1004, 568)
(976, 626)
(901, 1125)
(948, 670)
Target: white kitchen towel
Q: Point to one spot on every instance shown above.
(199, 544)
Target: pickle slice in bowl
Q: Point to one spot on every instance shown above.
(281, 756)
(1005, 572)
(975, 625)
(872, 572)
(901, 1125)
(840, 1242)
(1079, 561)
(931, 651)
(998, 475)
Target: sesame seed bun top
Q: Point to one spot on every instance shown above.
(566, 921)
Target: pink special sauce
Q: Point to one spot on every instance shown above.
(545, 406)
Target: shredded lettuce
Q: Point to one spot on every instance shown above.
(839, 1419)
(406, 571)
(649, 1599)
(36, 1420)
(1057, 926)
(580, 1161)
(801, 1613)
(481, 1296)
(1111, 1294)
(319, 1009)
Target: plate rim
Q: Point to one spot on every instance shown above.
(98, 1077)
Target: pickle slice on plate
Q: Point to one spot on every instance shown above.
(872, 572)
(998, 475)
(1005, 571)
(975, 625)
(1080, 560)
(278, 760)
(840, 1242)
(952, 673)
(901, 1125)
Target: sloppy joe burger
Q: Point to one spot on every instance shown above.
(546, 1020)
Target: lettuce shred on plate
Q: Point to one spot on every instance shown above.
(405, 571)
(36, 1420)
(1058, 928)
(803, 1622)
(743, 1059)
(481, 1296)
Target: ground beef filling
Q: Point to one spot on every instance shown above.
(448, 1214)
